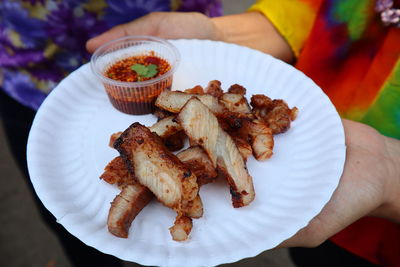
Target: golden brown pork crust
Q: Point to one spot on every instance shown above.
(155, 167)
(202, 126)
(116, 172)
(276, 113)
(125, 207)
(199, 163)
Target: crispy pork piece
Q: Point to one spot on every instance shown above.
(173, 101)
(175, 142)
(243, 145)
(170, 132)
(199, 163)
(201, 125)
(181, 229)
(235, 103)
(116, 173)
(194, 208)
(155, 167)
(237, 89)
(214, 88)
(161, 114)
(166, 127)
(195, 90)
(276, 113)
(125, 207)
(113, 137)
(261, 101)
(259, 135)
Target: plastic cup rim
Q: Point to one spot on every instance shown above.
(110, 81)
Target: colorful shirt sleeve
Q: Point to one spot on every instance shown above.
(292, 18)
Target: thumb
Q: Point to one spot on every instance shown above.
(146, 25)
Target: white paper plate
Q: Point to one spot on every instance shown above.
(67, 151)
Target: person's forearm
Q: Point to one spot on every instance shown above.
(254, 30)
(391, 208)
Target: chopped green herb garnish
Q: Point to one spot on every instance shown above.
(144, 71)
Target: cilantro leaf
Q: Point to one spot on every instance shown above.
(139, 69)
(144, 71)
(152, 71)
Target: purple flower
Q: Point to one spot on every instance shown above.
(381, 5)
(21, 88)
(212, 8)
(70, 30)
(15, 17)
(391, 16)
(122, 11)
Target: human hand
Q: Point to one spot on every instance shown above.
(370, 185)
(168, 25)
(249, 29)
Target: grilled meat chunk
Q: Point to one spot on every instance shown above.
(235, 103)
(276, 113)
(214, 88)
(125, 207)
(173, 101)
(166, 127)
(155, 167)
(199, 163)
(161, 114)
(201, 125)
(170, 132)
(237, 89)
(113, 137)
(116, 173)
(195, 90)
(260, 138)
(194, 208)
(182, 227)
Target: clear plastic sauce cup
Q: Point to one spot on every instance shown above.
(135, 97)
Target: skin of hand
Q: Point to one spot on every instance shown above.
(250, 29)
(369, 186)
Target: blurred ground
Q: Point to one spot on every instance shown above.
(26, 241)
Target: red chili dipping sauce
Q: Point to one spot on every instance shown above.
(137, 99)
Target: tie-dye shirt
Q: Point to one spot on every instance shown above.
(41, 41)
(346, 48)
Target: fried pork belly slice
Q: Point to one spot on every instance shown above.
(155, 167)
(175, 142)
(173, 101)
(125, 207)
(161, 114)
(243, 145)
(214, 88)
(235, 103)
(261, 138)
(116, 173)
(194, 208)
(182, 227)
(276, 113)
(114, 137)
(166, 127)
(170, 132)
(237, 89)
(195, 90)
(199, 163)
(202, 125)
